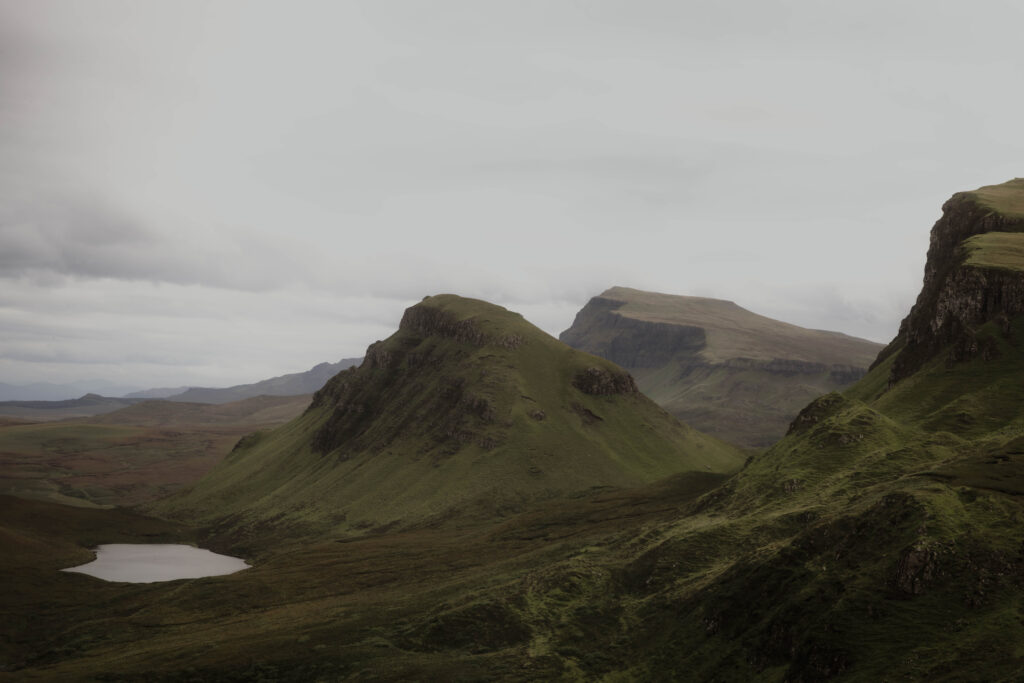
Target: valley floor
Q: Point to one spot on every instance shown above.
(652, 583)
(452, 603)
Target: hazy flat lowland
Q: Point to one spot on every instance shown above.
(132, 455)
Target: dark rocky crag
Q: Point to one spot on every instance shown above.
(957, 298)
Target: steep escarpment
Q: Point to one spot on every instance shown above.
(466, 410)
(627, 341)
(963, 289)
(715, 365)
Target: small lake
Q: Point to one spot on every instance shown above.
(146, 563)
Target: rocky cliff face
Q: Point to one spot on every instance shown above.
(638, 344)
(426, 321)
(956, 298)
(629, 342)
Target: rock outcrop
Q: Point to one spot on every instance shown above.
(956, 297)
(630, 342)
(427, 320)
(603, 382)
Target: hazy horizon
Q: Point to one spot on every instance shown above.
(211, 194)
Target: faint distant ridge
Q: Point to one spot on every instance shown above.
(66, 391)
(161, 392)
(84, 406)
(293, 384)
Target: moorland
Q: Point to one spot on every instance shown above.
(477, 501)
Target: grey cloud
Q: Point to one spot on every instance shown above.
(169, 181)
(67, 237)
(58, 237)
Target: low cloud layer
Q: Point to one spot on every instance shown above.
(212, 193)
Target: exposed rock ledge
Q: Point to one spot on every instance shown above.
(956, 299)
(600, 382)
(426, 321)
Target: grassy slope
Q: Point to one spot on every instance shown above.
(1006, 198)
(748, 406)
(999, 250)
(426, 451)
(454, 604)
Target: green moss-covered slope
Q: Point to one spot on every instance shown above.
(467, 410)
(1000, 250)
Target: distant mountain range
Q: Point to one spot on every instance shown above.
(294, 384)
(84, 406)
(158, 393)
(48, 391)
(727, 371)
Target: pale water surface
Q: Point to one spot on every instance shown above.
(145, 563)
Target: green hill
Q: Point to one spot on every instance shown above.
(728, 372)
(466, 410)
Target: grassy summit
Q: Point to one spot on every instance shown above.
(1006, 199)
(467, 409)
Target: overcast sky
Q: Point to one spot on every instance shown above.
(213, 192)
